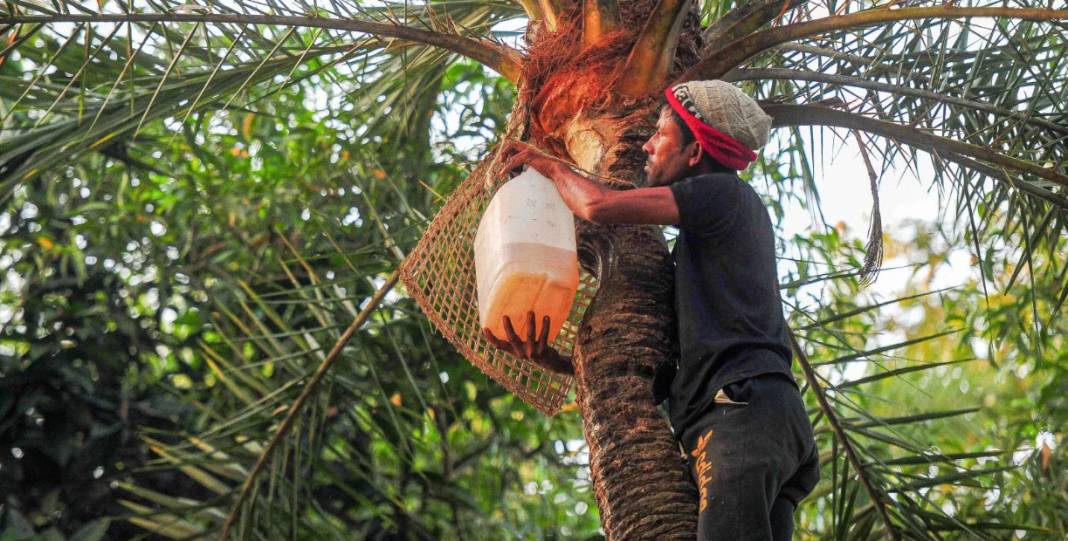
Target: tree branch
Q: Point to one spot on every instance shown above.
(501, 58)
(744, 20)
(532, 9)
(551, 11)
(999, 174)
(860, 82)
(873, 66)
(811, 115)
(650, 60)
(731, 55)
(309, 389)
(599, 18)
(840, 435)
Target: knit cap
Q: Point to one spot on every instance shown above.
(726, 108)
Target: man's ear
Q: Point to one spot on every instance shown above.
(694, 154)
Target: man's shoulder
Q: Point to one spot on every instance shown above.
(719, 184)
(718, 176)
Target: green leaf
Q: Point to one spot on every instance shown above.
(92, 531)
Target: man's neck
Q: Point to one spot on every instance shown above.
(707, 167)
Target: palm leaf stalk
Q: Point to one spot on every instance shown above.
(792, 115)
(733, 54)
(877, 498)
(493, 55)
(309, 389)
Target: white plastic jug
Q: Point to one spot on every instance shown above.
(525, 257)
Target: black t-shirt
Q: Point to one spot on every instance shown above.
(731, 324)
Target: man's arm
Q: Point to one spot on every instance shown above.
(591, 201)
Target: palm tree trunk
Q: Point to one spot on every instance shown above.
(642, 485)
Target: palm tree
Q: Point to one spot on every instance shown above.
(975, 86)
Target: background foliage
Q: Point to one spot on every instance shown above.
(166, 294)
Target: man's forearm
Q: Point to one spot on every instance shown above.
(593, 202)
(582, 195)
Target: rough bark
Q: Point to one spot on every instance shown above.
(642, 487)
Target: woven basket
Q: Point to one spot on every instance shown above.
(440, 275)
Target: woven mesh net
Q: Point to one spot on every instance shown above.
(440, 275)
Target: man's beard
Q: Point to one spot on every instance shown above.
(643, 178)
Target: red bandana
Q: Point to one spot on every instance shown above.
(722, 147)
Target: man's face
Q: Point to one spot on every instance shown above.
(668, 159)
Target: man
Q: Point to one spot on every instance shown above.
(733, 404)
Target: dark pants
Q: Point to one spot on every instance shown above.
(753, 458)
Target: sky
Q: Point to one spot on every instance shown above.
(845, 196)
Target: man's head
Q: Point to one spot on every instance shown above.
(672, 153)
(705, 126)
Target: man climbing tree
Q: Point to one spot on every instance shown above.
(733, 404)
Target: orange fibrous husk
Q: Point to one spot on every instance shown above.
(563, 78)
(562, 83)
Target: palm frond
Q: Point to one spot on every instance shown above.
(103, 78)
(973, 106)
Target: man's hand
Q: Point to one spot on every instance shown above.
(534, 349)
(518, 153)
